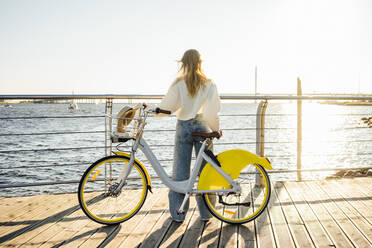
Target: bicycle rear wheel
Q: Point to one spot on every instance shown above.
(97, 196)
(239, 208)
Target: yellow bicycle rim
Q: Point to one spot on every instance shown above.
(92, 176)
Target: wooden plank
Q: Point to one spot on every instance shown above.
(48, 239)
(355, 196)
(37, 219)
(158, 231)
(211, 233)
(13, 200)
(12, 207)
(363, 187)
(342, 220)
(313, 226)
(66, 206)
(144, 224)
(264, 234)
(98, 235)
(27, 238)
(105, 232)
(56, 233)
(228, 236)
(296, 225)
(279, 224)
(247, 235)
(366, 182)
(263, 228)
(65, 229)
(331, 212)
(30, 207)
(229, 233)
(335, 233)
(176, 230)
(363, 184)
(358, 220)
(95, 233)
(192, 236)
(246, 232)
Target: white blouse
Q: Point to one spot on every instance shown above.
(205, 102)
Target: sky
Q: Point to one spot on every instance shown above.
(132, 47)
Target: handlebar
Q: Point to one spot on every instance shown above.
(162, 111)
(156, 110)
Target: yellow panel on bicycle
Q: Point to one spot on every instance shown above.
(232, 162)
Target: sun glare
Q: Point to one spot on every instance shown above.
(319, 138)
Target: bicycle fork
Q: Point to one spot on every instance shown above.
(125, 173)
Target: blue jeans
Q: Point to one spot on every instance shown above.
(184, 142)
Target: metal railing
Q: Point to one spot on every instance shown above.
(157, 97)
(260, 129)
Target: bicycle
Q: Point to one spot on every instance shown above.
(237, 178)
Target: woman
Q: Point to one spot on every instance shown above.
(196, 100)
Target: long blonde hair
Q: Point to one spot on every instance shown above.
(192, 72)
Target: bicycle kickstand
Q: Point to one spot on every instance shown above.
(182, 208)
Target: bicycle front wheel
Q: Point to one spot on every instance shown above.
(244, 206)
(98, 195)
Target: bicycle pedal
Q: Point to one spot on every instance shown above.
(180, 212)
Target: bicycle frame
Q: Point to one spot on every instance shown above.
(186, 186)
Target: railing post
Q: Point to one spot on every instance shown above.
(108, 143)
(108, 127)
(260, 134)
(299, 130)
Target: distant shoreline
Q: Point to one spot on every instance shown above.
(352, 103)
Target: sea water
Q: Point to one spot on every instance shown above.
(334, 136)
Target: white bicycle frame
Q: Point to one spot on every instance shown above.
(187, 186)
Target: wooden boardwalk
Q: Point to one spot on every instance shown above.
(329, 213)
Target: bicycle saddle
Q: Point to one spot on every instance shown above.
(214, 134)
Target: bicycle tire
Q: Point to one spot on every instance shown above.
(258, 196)
(96, 195)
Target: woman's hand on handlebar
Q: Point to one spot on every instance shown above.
(219, 133)
(162, 111)
(158, 111)
(216, 134)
